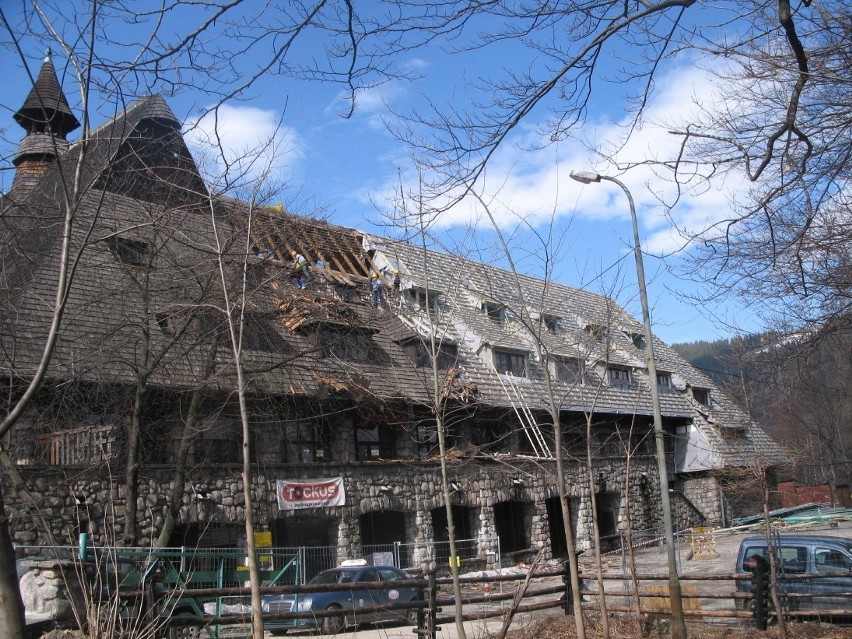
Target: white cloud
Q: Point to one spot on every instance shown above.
(372, 104)
(244, 141)
(528, 178)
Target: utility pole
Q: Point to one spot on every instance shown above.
(675, 595)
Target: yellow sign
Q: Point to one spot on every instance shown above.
(263, 539)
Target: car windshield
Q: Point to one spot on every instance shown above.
(334, 577)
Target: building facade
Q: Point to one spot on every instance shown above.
(358, 355)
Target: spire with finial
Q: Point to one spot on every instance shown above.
(47, 119)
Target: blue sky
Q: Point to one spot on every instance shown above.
(345, 167)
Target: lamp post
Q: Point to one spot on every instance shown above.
(678, 624)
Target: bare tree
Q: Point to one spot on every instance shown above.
(524, 306)
(535, 328)
(782, 123)
(631, 441)
(197, 54)
(247, 182)
(793, 384)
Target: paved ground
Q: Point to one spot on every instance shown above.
(711, 554)
(718, 552)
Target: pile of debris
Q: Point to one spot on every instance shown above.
(790, 519)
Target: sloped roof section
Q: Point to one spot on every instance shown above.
(139, 153)
(142, 185)
(465, 284)
(46, 104)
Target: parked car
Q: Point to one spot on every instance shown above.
(827, 559)
(351, 600)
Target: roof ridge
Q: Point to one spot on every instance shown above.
(129, 113)
(528, 278)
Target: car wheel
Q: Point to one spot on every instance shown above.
(333, 625)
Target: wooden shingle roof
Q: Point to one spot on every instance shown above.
(46, 104)
(114, 305)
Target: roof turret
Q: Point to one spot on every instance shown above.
(46, 109)
(47, 119)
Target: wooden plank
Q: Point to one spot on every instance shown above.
(355, 269)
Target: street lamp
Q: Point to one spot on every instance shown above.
(678, 624)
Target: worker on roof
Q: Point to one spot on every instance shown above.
(376, 286)
(300, 270)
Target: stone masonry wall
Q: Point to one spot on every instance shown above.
(59, 505)
(703, 493)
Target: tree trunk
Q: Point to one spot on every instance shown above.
(451, 529)
(187, 436)
(773, 560)
(597, 532)
(179, 478)
(12, 616)
(628, 516)
(254, 577)
(131, 476)
(573, 566)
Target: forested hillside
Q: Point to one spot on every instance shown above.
(796, 386)
(714, 359)
(707, 356)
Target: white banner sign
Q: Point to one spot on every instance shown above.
(310, 493)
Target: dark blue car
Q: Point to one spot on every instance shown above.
(352, 601)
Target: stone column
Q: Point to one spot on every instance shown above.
(52, 587)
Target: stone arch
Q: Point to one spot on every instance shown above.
(512, 522)
(317, 534)
(384, 531)
(558, 540)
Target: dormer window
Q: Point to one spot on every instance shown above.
(550, 323)
(165, 323)
(348, 343)
(209, 326)
(619, 376)
(258, 335)
(128, 251)
(420, 354)
(664, 380)
(568, 369)
(493, 310)
(510, 363)
(701, 395)
(426, 299)
(638, 339)
(598, 331)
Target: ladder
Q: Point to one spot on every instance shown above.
(525, 417)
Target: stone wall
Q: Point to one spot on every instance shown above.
(704, 505)
(68, 503)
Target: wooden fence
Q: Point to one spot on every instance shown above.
(705, 598)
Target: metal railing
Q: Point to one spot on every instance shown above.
(427, 555)
(307, 561)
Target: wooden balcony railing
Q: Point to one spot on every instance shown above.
(84, 445)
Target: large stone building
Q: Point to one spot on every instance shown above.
(346, 393)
